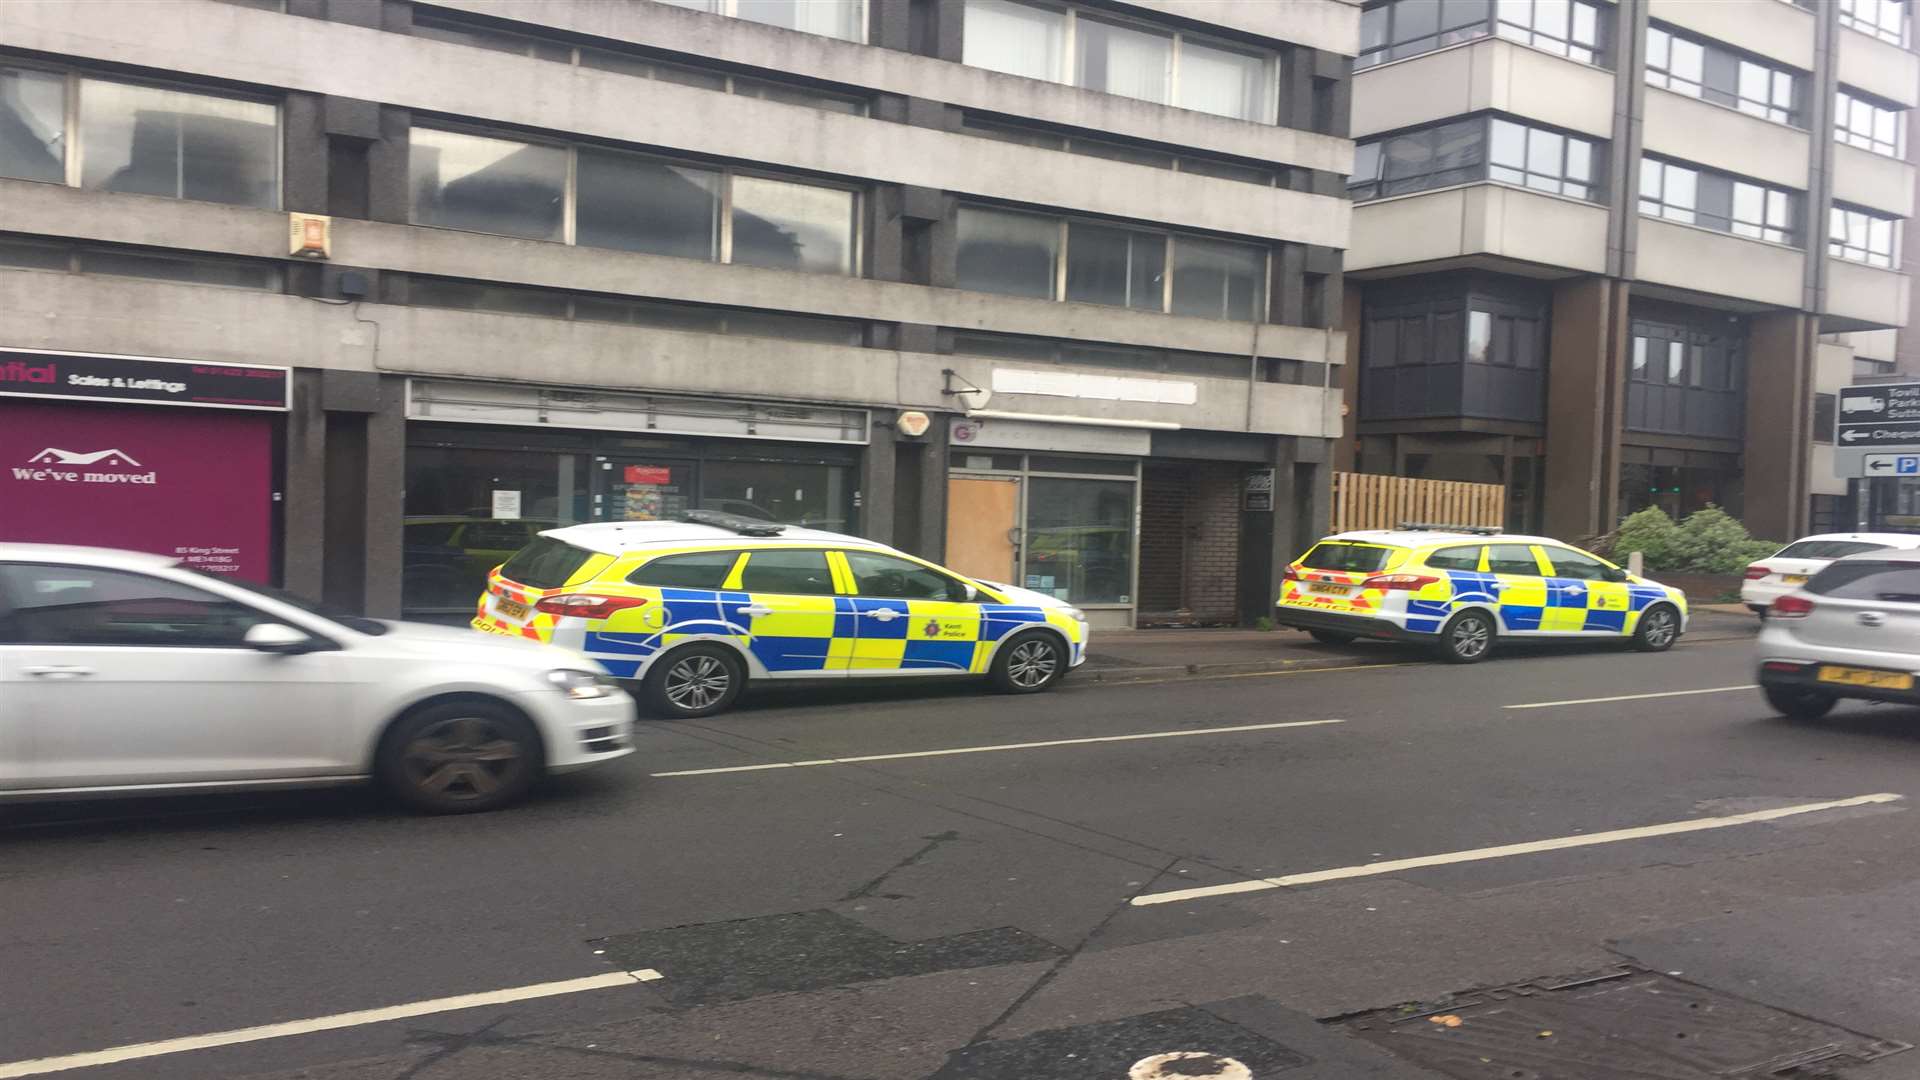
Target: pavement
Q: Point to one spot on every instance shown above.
(1576, 863)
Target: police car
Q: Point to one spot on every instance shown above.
(697, 608)
(1464, 589)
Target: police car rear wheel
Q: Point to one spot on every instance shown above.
(1467, 639)
(1659, 628)
(1029, 663)
(695, 680)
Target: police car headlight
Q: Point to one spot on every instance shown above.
(1076, 614)
(581, 685)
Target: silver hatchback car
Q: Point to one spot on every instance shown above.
(1852, 631)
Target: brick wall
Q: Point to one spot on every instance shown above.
(1190, 542)
(1163, 502)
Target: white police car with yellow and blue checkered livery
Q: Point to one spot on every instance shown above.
(1463, 590)
(695, 609)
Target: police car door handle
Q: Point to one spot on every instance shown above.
(886, 614)
(756, 610)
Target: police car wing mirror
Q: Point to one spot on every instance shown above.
(972, 592)
(1614, 573)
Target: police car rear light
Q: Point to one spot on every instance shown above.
(1756, 572)
(1409, 582)
(587, 605)
(1790, 607)
(1292, 574)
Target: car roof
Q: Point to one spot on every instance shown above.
(1413, 538)
(1895, 540)
(91, 556)
(621, 537)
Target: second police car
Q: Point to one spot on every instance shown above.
(696, 609)
(1463, 590)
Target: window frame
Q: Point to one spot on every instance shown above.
(1066, 64)
(72, 146)
(1703, 180)
(1875, 27)
(1489, 25)
(1842, 215)
(723, 206)
(1372, 154)
(826, 561)
(1844, 99)
(730, 9)
(1793, 114)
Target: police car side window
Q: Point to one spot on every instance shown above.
(1455, 558)
(702, 570)
(1572, 564)
(1512, 559)
(884, 575)
(801, 573)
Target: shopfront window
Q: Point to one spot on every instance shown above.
(1679, 490)
(468, 511)
(786, 492)
(1080, 539)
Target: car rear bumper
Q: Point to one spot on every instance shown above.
(1807, 678)
(1338, 623)
(1760, 595)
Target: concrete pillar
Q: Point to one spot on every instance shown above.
(385, 496)
(304, 154)
(1346, 377)
(1584, 384)
(363, 462)
(303, 505)
(877, 479)
(1780, 350)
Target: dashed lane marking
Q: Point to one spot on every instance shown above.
(1633, 697)
(136, 1051)
(763, 766)
(1530, 847)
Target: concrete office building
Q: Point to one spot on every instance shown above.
(611, 259)
(1617, 255)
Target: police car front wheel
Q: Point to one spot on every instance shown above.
(1467, 639)
(1659, 628)
(1029, 663)
(695, 680)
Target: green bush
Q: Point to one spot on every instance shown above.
(1709, 541)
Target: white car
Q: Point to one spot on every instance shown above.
(1850, 633)
(1790, 567)
(127, 674)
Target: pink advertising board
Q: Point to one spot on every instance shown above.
(196, 484)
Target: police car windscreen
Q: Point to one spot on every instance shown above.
(1349, 558)
(544, 564)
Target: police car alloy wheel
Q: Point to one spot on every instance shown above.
(1658, 629)
(1467, 639)
(1028, 663)
(696, 680)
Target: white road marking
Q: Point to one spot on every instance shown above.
(1530, 847)
(991, 749)
(136, 1051)
(1633, 697)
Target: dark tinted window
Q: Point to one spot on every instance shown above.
(1455, 558)
(706, 570)
(545, 564)
(885, 575)
(1825, 549)
(1894, 582)
(1512, 559)
(1350, 558)
(797, 572)
(1568, 563)
(430, 533)
(79, 605)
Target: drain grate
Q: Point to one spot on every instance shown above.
(1613, 1025)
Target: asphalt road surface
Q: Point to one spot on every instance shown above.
(1382, 870)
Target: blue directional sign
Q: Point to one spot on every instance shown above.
(1893, 464)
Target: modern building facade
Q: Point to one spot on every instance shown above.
(1049, 290)
(1618, 255)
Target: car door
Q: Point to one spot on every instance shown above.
(795, 626)
(13, 710)
(133, 678)
(910, 619)
(1521, 585)
(1584, 595)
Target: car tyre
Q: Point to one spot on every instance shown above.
(1029, 663)
(1332, 637)
(1798, 702)
(1467, 638)
(1658, 629)
(694, 681)
(465, 756)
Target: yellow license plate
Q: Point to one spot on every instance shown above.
(1333, 590)
(1794, 579)
(512, 609)
(1879, 680)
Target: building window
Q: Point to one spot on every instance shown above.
(1127, 357)
(1713, 73)
(1865, 368)
(1479, 353)
(843, 19)
(1884, 19)
(1718, 201)
(1863, 236)
(1152, 156)
(136, 138)
(608, 198)
(461, 295)
(1024, 254)
(1063, 44)
(1823, 418)
(1686, 380)
(1466, 151)
(1401, 28)
(178, 266)
(449, 27)
(1862, 122)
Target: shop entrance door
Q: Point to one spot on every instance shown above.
(641, 489)
(983, 527)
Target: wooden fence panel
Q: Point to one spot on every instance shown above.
(1371, 501)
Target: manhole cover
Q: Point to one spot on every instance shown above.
(1188, 1065)
(1615, 1024)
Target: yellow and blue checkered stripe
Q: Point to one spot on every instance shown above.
(1549, 605)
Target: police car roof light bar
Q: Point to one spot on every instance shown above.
(737, 523)
(1428, 526)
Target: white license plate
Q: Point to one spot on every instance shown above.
(512, 609)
